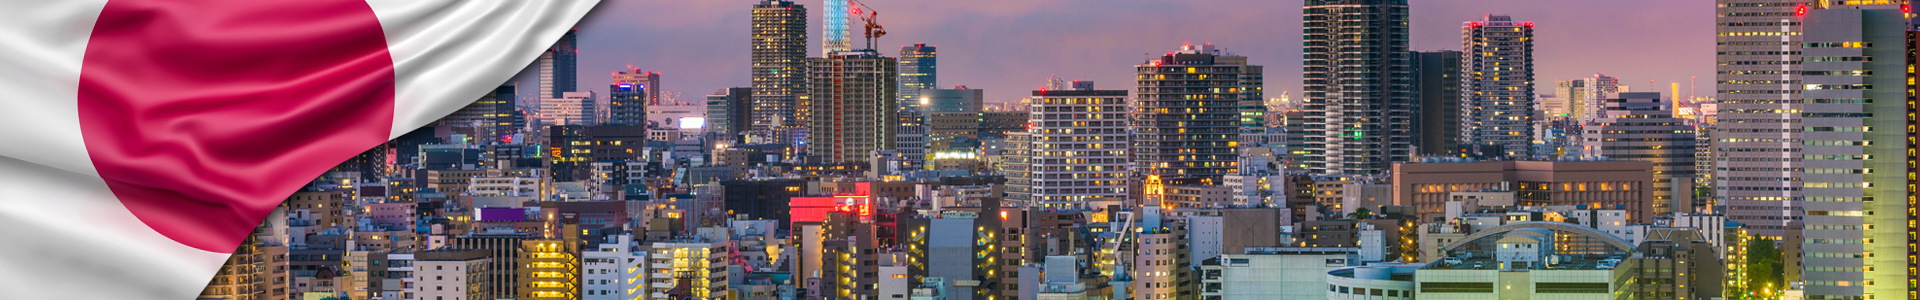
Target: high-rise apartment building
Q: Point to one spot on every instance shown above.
(1757, 142)
(779, 65)
(918, 70)
(1079, 147)
(853, 110)
(1186, 120)
(1358, 99)
(1857, 149)
(1436, 77)
(1639, 126)
(558, 66)
(1496, 106)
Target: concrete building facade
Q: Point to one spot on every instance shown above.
(1079, 146)
(852, 108)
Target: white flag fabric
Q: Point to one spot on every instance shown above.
(142, 140)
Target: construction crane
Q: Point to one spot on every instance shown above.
(874, 30)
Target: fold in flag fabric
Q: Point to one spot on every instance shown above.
(142, 140)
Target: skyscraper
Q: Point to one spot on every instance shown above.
(917, 71)
(1436, 76)
(1187, 113)
(557, 67)
(838, 35)
(1079, 146)
(1757, 143)
(779, 65)
(1857, 120)
(853, 108)
(628, 97)
(1357, 101)
(1496, 103)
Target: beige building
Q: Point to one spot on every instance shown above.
(1626, 185)
(450, 275)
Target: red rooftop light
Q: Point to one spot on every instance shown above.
(1800, 11)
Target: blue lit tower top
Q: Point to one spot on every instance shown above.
(836, 28)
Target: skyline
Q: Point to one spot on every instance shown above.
(700, 47)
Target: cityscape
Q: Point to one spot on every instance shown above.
(848, 166)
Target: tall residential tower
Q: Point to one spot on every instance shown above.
(1186, 121)
(1358, 100)
(1496, 103)
(779, 65)
(853, 111)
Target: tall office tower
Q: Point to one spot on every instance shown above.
(1496, 102)
(1436, 78)
(1186, 122)
(1639, 126)
(628, 97)
(779, 65)
(1079, 148)
(557, 66)
(1857, 101)
(853, 108)
(1358, 100)
(1757, 143)
(838, 35)
(918, 70)
(728, 110)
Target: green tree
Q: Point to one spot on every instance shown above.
(1361, 214)
(1765, 271)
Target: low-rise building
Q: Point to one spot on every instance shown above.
(451, 274)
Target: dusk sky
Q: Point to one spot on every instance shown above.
(1009, 47)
